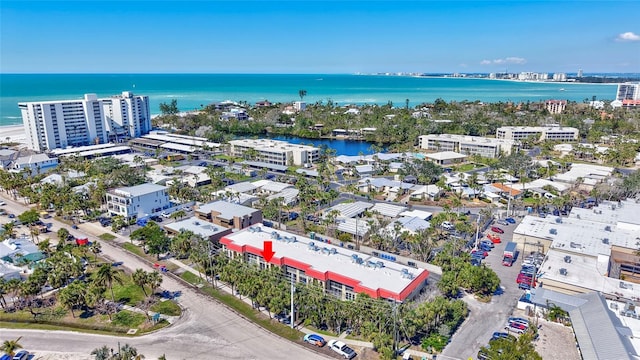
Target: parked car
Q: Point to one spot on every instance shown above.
(165, 214)
(503, 222)
(342, 349)
(485, 247)
(315, 339)
(494, 238)
(21, 355)
(496, 229)
(447, 225)
(489, 243)
(515, 329)
(267, 223)
(12, 216)
(510, 220)
(478, 253)
(507, 261)
(2, 203)
(5, 357)
(186, 208)
(476, 261)
(502, 335)
(519, 319)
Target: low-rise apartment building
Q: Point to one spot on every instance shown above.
(138, 201)
(540, 133)
(339, 271)
(276, 152)
(467, 145)
(229, 215)
(205, 229)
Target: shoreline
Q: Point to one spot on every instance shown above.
(14, 133)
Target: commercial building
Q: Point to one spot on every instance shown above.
(228, 214)
(339, 271)
(540, 133)
(275, 152)
(138, 201)
(58, 124)
(591, 250)
(467, 145)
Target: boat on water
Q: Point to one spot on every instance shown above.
(561, 89)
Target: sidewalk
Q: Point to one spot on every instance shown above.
(170, 319)
(227, 289)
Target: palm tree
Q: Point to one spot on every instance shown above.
(302, 94)
(10, 346)
(140, 278)
(154, 280)
(102, 353)
(106, 275)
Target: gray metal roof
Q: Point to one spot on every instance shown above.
(349, 210)
(595, 329)
(388, 210)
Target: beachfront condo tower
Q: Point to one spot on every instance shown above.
(62, 123)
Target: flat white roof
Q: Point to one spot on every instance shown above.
(226, 209)
(271, 145)
(445, 155)
(138, 190)
(74, 150)
(539, 128)
(574, 235)
(469, 139)
(425, 215)
(584, 271)
(102, 151)
(389, 277)
(196, 226)
(180, 139)
(179, 147)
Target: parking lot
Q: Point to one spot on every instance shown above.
(486, 318)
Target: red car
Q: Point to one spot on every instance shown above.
(496, 229)
(483, 253)
(525, 279)
(494, 238)
(507, 261)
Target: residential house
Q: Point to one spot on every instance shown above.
(228, 214)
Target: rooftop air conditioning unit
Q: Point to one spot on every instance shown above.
(607, 228)
(567, 259)
(553, 231)
(605, 241)
(563, 272)
(574, 245)
(559, 220)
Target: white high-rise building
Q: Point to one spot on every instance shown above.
(58, 124)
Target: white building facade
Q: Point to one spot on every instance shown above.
(276, 152)
(139, 201)
(59, 124)
(467, 145)
(542, 133)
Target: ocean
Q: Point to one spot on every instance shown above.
(195, 90)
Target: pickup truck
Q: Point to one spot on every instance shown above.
(342, 349)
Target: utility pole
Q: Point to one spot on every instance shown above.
(293, 288)
(395, 328)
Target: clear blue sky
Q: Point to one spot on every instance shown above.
(318, 36)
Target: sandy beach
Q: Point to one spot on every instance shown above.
(13, 133)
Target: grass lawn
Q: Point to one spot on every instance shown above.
(134, 249)
(466, 167)
(191, 278)
(107, 237)
(167, 307)
(128, 319)
(127, 292)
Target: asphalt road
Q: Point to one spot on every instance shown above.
(207, 330)
(485, 318)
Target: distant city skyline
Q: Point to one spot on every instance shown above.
(319, 37)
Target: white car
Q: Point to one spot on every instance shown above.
(165, 214)
(186, 208)
(342, 349)
(2, 203)
(447, 225)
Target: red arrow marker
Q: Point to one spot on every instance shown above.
(267, 254)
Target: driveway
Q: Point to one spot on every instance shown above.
(207, 330)
(485, 318)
